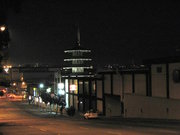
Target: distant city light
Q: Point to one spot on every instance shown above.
(30, 97)
(41, 85)
(61, 92)
(73, 87)
(61, 86)
(48, 90)
(40, 100)
(23, 83)
(6, 68)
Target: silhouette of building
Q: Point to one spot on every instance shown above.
(78, 78)
(78, 62)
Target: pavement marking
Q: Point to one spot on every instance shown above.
(44, 130)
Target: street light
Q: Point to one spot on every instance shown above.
(2, 28)
(61, 89)
(48, 90)
(41, 85)
(6, 68)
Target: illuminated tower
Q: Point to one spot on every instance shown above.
(78, 62)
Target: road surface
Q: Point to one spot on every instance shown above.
(18, 118)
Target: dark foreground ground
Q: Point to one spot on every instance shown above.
(20, 118)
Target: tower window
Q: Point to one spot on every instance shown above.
(77, 69)
(77, 53)
(77, 62)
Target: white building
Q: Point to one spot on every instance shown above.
(152, 91)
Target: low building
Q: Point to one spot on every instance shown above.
(150, 91)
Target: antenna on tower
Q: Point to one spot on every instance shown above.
(78, 35)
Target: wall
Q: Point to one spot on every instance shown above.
(99, 97)
(127, 83)
(174, 87)
(117, 84)
(99, 89)
(140, 84)
(113, 106)
(151, 107)
(100, 106)
(158, 80)
(107, 83)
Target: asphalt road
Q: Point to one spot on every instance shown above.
(19, 118)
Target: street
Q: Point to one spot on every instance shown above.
(19, 118)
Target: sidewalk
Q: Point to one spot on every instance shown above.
(39, 111)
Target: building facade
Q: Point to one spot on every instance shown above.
(78, 78)
(150, 91)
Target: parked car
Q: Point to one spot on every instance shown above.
(91, 114)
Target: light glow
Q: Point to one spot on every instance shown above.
(40, 100)
(61, 92)
(23, 83)
(30, 97)
(6, 68)
(48, 90)
(2, 28)
(14, 84)
(73, 87)
(70, 51)
(90, 67)
(80, 59)
(61, 86)
(41, 85)
(67, 89)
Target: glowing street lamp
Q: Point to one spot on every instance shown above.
(61, 89)
(61, 86)
(48, 90)
(2, 28)
(41, 85)
(14, 84)
(23, 83)
(6, 68)
(61, 92)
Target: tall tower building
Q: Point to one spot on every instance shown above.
(77, 61)
(78, 78)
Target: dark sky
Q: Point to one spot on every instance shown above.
(115, 31)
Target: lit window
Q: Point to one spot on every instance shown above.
(77, 62)
(77, 69)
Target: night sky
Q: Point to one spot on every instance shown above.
(117, 32)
